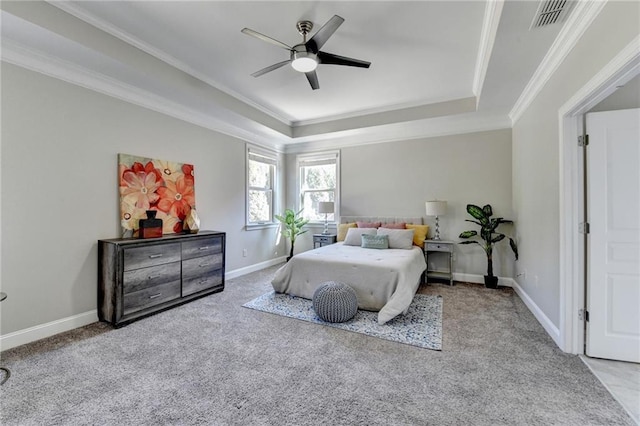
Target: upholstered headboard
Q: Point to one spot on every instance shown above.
(383, 219)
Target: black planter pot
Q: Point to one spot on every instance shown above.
(490, 281)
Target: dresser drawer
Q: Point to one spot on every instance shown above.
(201, 247)
(439, 247)
(200, 266)
(142, 257)
(138, 279)
(204, 282)
(139, 300)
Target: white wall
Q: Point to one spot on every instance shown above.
(396, 178)
(536, 150)
(59, 190)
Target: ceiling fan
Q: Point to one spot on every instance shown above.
(306, 56)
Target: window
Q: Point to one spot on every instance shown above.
(261, 177)
(318, 176)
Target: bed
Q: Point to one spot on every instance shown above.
(384, 280)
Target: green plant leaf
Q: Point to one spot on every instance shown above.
(514, 247)
(469, 242)
(477, 213)
(488, 211)
(473, 221)
(468, 234)
(497, 238)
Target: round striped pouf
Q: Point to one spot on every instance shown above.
(335, 302)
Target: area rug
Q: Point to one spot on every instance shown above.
(421, 326)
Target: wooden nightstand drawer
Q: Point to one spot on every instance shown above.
(439, 247)
(320, 240)
(158, 254)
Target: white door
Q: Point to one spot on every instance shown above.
(613, 212)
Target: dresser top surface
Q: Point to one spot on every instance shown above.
(166, 237)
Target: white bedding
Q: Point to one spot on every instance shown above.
(384, 280)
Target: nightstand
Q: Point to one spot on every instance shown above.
(439, 249)
(320, 240)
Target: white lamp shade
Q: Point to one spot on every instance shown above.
(325, 207)
(436, 208)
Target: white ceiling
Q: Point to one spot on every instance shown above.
(428, 59)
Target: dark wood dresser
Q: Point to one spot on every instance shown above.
(140, 277)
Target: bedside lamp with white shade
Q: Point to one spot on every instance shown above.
(325, 207)
(436, 208)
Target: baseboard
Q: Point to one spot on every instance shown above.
(49, 329)
(253, 268)
(546, 323)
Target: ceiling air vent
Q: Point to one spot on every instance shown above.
(550, 11)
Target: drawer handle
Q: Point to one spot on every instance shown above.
(154, 256)
(155, 296)
(202, 265)
(152, 277)
(203, 282)
(204, 248)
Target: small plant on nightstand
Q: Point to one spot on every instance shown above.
(488, 226)
(292, 225)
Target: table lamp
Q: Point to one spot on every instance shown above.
(325, 207)
(436, 208)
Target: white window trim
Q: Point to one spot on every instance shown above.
(275, 196)
(329, 155)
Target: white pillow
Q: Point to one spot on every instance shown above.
(398, 238)
(354, 236)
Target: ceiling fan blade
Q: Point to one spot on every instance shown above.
(252, 33)
(270, 68)
(320, 38)
(331, 59)
(313, 79)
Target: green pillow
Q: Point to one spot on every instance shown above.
(375, 241)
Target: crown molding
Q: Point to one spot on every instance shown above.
(117, 32)
(430, 128)
(579, 20)
(16, 54)
(492, 14)
(623, 67)
(378, 110)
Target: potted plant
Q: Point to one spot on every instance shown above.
(489, 236)
(292, 225)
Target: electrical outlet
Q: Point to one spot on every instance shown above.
(244, 252)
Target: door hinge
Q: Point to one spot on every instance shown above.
(583, 315)
(583, 140)
(583, 227)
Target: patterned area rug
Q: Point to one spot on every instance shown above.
(421, 326)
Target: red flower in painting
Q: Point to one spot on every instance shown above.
(177, 198)
(147, 169)
(140, 189)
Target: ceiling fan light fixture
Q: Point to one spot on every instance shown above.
(304, 61)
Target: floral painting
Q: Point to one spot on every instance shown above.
(147, 184)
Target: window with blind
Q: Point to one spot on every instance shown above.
(318, 180)
(261, 183)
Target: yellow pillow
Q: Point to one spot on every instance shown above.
(419, 233)
(343, 228)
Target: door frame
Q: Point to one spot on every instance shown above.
(622, 68)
